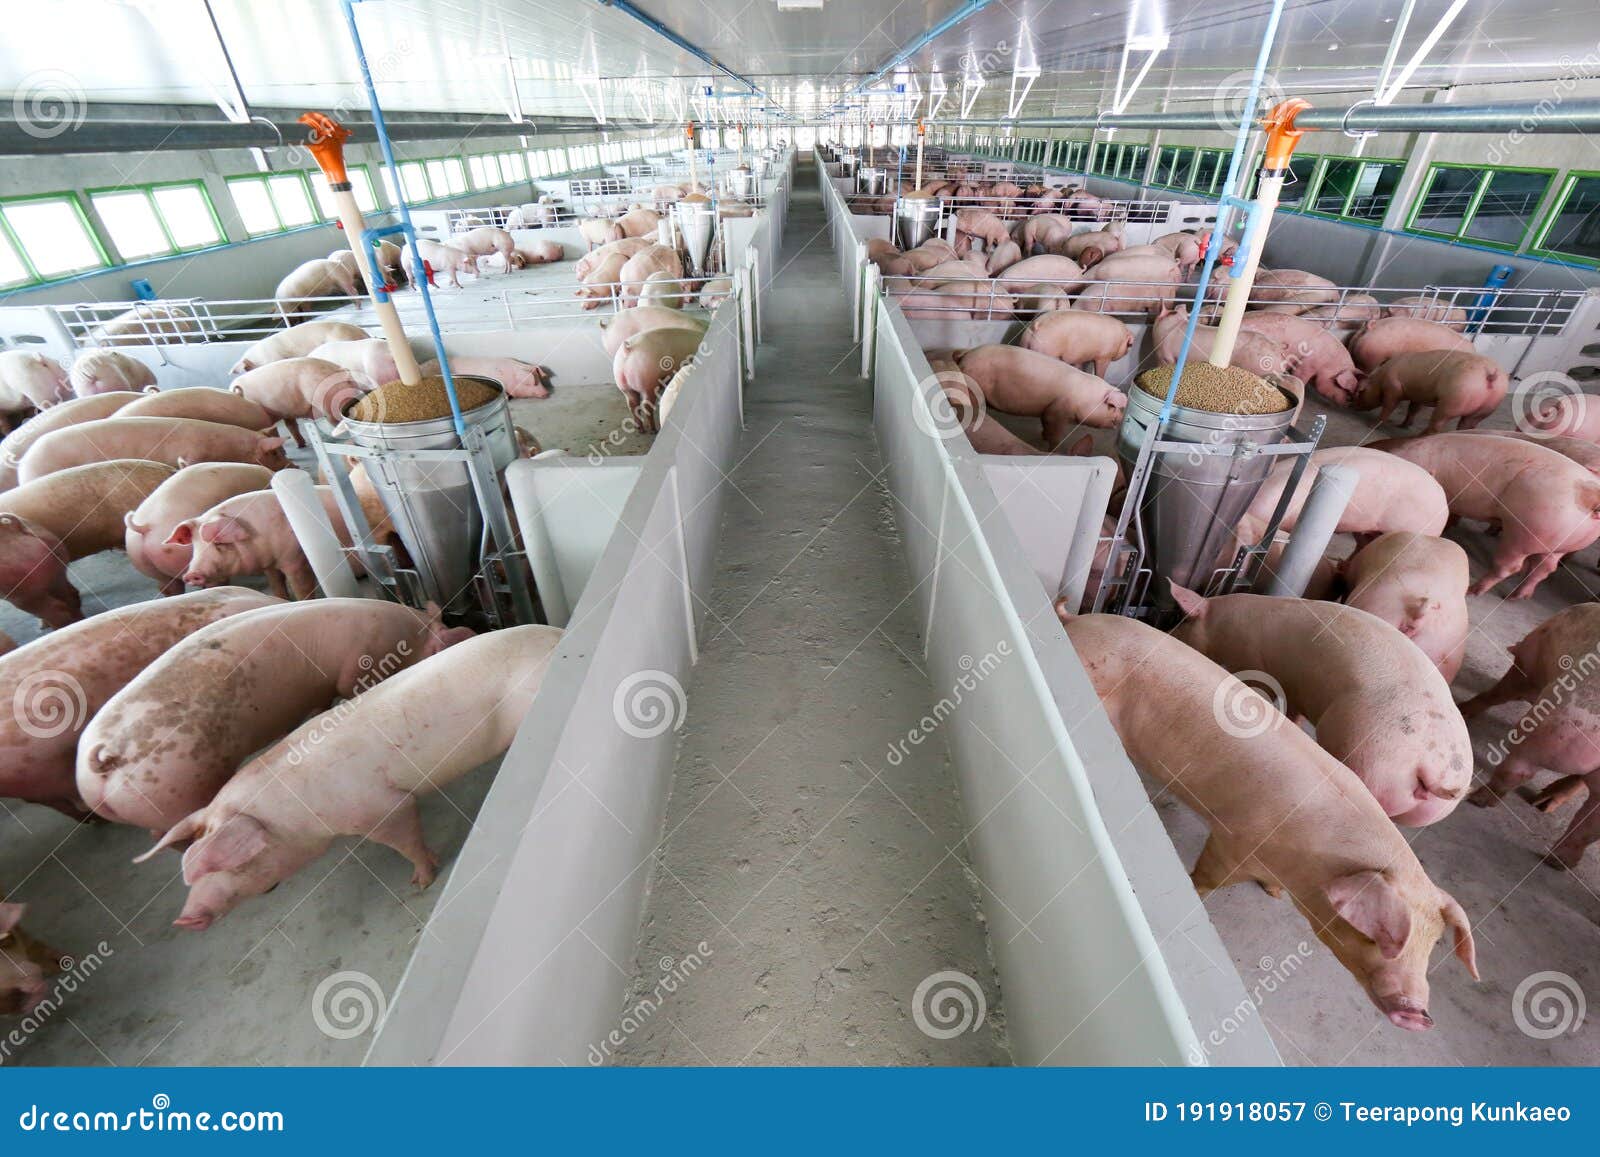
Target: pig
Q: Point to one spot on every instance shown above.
(161, 746)
(979, 225)
(1417, 584)
(1078, 338)
(931, 252)
(295, 342)
(1035, 385)
(1428, 309)
(1040, 298)
(67, 515)
(1378, 341)
(1316, 356)
(174, 441)
(1566, 641)
(59, 682)
(328, 778)
(1091, 248)
(203, 403)
(310, 281)
(1567, 415)
(602, 281)
(1585, 454)
(1282, 811)
(147, 323)
(643, 364)
(1291, 290)
(369, 357)
(1255, 352)
(598, 231)
(640, 222)
(486, 241)
(1466, 387)
(353, 271)
(436, 259)
(1185, 248)
(982, 301)
(107, 371)
(519, 379)
(1061, 271)
(249, 534)
(59, 417)
(712, 294)
(1345, 316)
(1391, 494)
(988, 436)
(308, 387)
(541, 252)
(24, 964)
(1002, 257)
(187, 494)
(1379, 705)
(30, 381)
(391, 265)
(1044, 234)
(662, 289)
(593, 259)
(929, 306)
(619, 328)
(1546, 506)
(646, 263)
(1131, 285)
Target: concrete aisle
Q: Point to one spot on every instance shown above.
(824, 884)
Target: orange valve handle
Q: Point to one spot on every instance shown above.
(922, 129)
(326, 142)
(688, 133)
(1282, 136)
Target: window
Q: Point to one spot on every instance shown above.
(413, 180)
(360, 185)
(1302, 171)
(1573, 227)
(1172, 170)
(485, 172)
(1209, 168)
(1131, 166)
(1356, 189)
(513, 167)
(51, 238)
(1490, 206)
(446, 177)
(272, 203)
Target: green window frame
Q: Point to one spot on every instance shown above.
(32, 264)
(1309, 203)
(360, 184)
(483, 170)
(1210, 168)
(1174, 166)
(1475, 197)
(270, 184)
(1570, 184)
(153, 203)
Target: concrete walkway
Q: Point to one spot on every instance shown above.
(804, 886)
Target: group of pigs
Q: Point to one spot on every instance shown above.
(251, 733)
(180, 478)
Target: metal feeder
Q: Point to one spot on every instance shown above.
(741, 183)
(915, 220)
(697, 225)
(848, 163)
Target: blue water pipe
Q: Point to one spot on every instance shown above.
(971, 8)
(1498, 276)
(368, 236)
(1226, 204)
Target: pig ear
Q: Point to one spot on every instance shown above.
(1190, 603)
(187, 828)
(223, 530)
(1455, 917)
(233, 845)
(10, 916)
(182, 534)
(1370, 904)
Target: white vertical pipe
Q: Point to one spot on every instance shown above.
(1239, 287)
(308, 519)
(394, 334)
(1319, 518)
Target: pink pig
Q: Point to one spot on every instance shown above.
(1034, 385)
(1417, 584)
(369, 357)
(328, 778)
(175, 441)
(1391, 494)
(100, 371)
(1316, 356)
(519, 379)
(1076, 338)
(188, 493)
(645, 362)
(1378, 341)
(1460, 386)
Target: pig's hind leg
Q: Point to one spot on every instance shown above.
(1514, 771)
(1556, 794)
(1581, 832)
(401, 830)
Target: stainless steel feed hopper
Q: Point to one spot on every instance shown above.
(873, 182)
(915, 220)
(697, 225)
(741, 183)
(848, 163)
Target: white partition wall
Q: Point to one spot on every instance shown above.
(1105, 954)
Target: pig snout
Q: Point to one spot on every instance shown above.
(1405, 1015)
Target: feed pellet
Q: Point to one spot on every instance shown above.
(398, 402)
(1217, 389)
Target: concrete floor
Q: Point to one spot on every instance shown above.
(826, 884)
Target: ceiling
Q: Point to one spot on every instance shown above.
(581, 58)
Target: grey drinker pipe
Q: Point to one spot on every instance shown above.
(1319, 518)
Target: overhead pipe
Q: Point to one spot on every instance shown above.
(971, 8)
(1545, 117)
(690, 47)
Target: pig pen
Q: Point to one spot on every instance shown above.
(1529, 919)
(305, 975)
